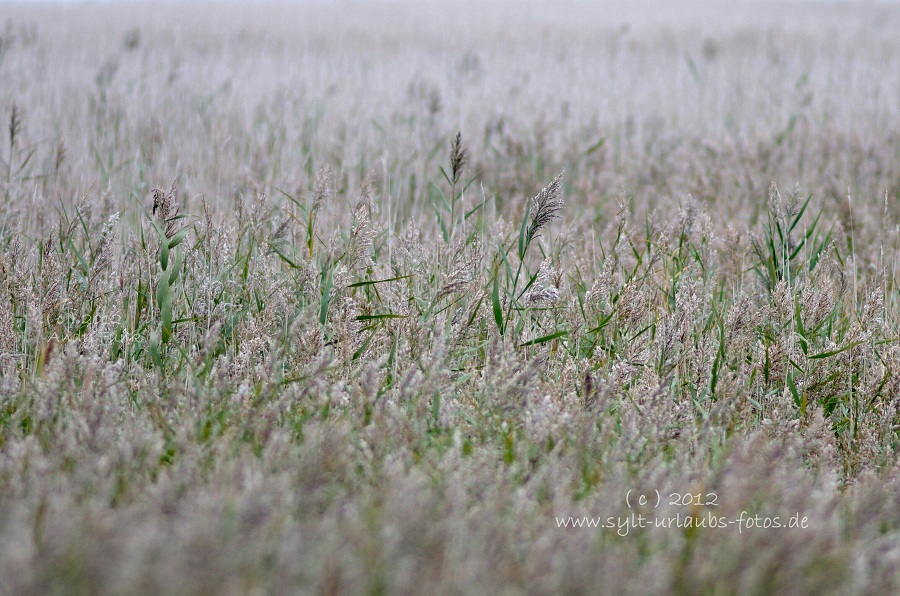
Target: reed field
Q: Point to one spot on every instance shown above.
(450, 298)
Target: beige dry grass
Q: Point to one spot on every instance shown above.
(348, 352)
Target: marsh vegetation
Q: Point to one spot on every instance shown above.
(366, 298)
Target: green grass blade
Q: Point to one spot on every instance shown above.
(378, 317)
(495, 299)
(834, 352)
(361, 284)
(544, 339)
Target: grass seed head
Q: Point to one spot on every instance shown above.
(458, 158)
(164, 208)
(322, 190)
(545, 207)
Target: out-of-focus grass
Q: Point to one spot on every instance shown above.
(372, 339)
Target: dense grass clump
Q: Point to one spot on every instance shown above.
(384, 301)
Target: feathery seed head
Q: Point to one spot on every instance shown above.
(458, 158)
(15, 125)
(165, 209)
(362, 234)
(545, 207)
(322, 190)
